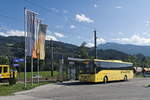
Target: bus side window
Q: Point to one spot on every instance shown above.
(5, 69)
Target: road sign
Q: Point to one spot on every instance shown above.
(18, 60)
(16, 65)
(21, 60)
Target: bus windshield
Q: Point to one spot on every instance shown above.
(87, 68)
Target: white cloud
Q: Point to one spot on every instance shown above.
(147, 23)
(118, 7)
(95, 5)
(59, 35)
(146, 34)
(121, 33)
(21, 33)
(89, 45)
(72, 26)
(54, 10)
(49, 32)
(50, 37)
(12, 33)
(3, 34)
(135, 39)
(15, 33)
(53, 35)
(83, 18)
(101, 41)
(65, 11)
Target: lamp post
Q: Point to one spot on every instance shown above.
(95, 45)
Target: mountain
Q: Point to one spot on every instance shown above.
(126, 48)
(110, 54)
(14, 46)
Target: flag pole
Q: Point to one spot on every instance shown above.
(32, 52)
(38, 68)
(32, 71)
(25, 66)
(38, 62)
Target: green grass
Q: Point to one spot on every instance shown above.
(44, 74)
(6, 89)
(139, 76)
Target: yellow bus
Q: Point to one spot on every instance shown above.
(7, 74)
(105, 70)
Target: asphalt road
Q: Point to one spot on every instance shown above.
(135, 89)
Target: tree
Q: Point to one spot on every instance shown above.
(4, 60)
(134, 60)
(82, 51)
(146, 62)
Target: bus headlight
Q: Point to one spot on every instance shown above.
(0, 75)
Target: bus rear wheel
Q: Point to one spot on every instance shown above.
(125, 78)
(105, 80)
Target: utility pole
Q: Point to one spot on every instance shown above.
(61, 77)
(52, 67)
(95, 47)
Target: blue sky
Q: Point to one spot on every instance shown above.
(73, 21)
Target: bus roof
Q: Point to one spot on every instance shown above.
(115, 61)
(3, 65)
(77, 59)
(100, 60)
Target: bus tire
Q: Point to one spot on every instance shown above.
(105, 79)
(125, 78)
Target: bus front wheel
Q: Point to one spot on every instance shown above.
(105, 80)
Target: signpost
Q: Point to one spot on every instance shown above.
(18, 60)
(16, 64)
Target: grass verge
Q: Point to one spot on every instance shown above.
(44, 74)
(6, 89)
(139, 76)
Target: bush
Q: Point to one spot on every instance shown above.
(12, 81)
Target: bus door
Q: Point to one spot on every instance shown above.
(6, 72)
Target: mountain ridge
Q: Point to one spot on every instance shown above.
(126, 48)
